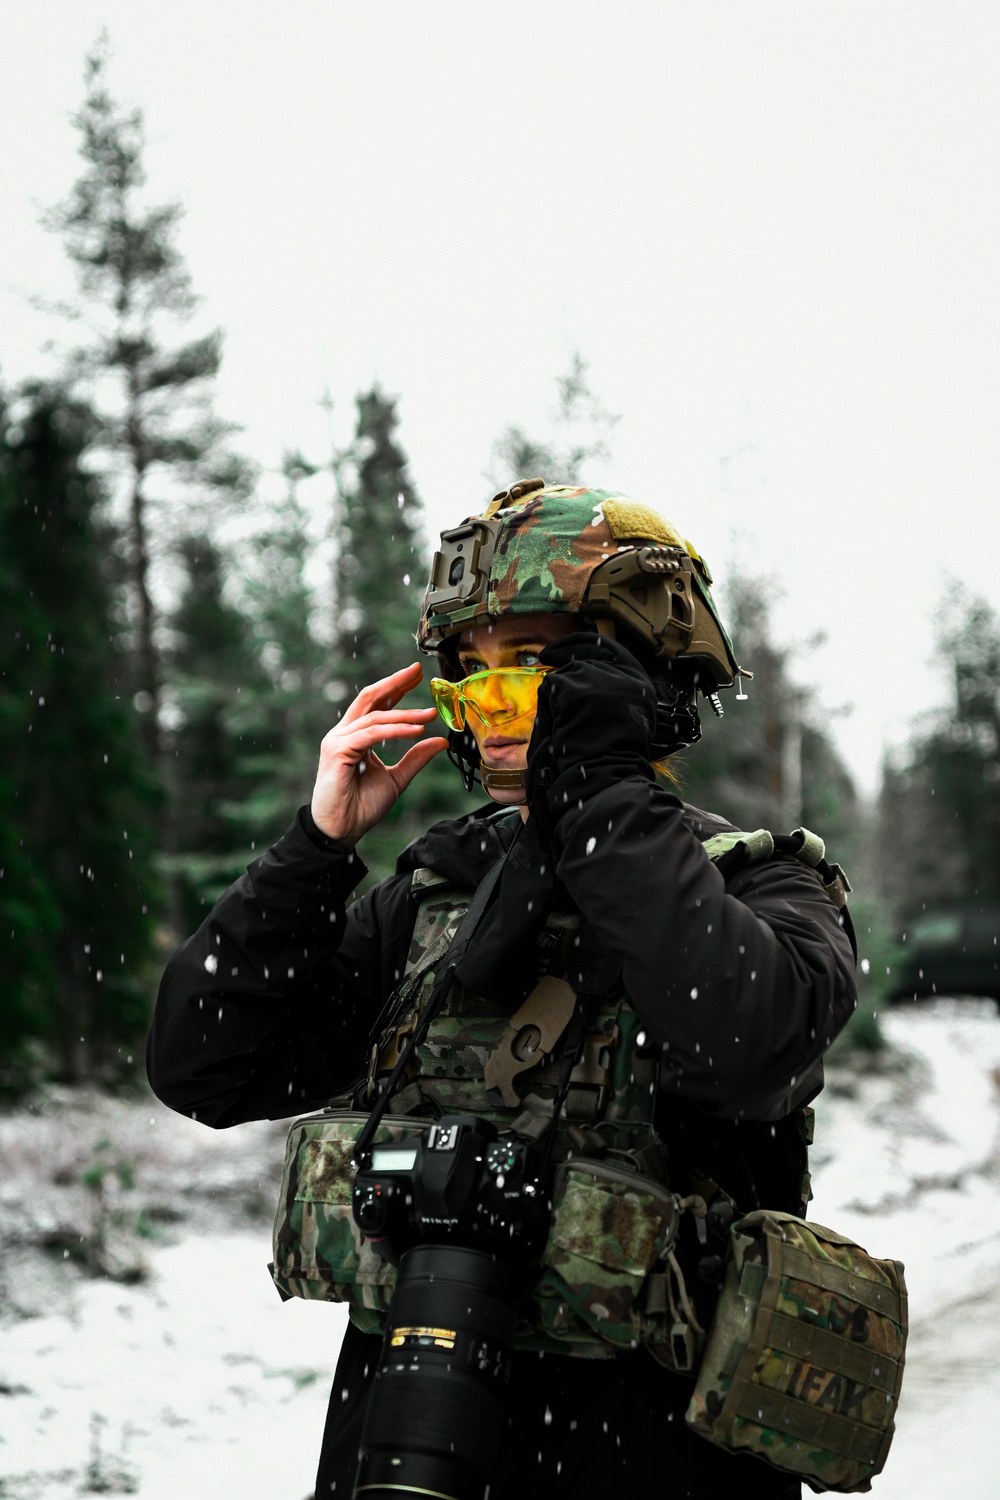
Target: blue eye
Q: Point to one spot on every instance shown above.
(528, 658)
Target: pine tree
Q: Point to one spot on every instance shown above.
(380, 568)
(212, 677)
(962, 755)
(581, 434)
(288, 705)
(940, 801)
(76, 804)
(162, 447)
(29, 915)
(771, 763)
(381, 571)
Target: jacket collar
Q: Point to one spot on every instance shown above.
(463, 849)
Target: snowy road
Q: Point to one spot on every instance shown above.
(163, 1388)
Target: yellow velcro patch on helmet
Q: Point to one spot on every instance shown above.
(627, 518)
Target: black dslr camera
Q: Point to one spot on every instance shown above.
(460, 1184)
(463, 1212)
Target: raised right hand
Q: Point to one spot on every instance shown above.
(355, 789)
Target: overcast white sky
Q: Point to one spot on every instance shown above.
(772, 229)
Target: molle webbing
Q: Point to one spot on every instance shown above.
(828, 1350)
(837, 1435)
(833, 1278)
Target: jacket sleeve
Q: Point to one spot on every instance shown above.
(744, 985)
(265, 1011)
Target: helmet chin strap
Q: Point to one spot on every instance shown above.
(495, 780)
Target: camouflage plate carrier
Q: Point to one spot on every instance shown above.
(613, 1217)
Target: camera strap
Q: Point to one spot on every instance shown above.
(446, 973)
(573, 1036)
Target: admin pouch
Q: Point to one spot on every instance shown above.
(804, 1358)
(319, 1251)
(608, 1279)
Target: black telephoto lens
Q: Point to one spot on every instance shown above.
(436, 1415)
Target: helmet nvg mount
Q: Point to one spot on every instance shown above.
(561, 549)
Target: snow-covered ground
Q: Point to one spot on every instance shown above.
(911, 1167)
(197, 1374)
(164, 1386)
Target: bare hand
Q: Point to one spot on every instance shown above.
(354, 789)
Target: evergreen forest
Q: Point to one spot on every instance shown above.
(170, 656)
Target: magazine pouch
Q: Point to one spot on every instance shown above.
(319, 1252)
(804, 1358)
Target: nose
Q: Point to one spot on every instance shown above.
(497, 706)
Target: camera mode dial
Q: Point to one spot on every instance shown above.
(370, 1207)
(501, 1159)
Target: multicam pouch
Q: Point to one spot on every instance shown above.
(608, 1280)
(319, 1252)
(805, 1355)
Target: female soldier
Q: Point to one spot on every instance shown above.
(574, 630)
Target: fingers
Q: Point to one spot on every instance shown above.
(355, 747)
(357, 739)
(414, 761)
(390, 716)
(385, 693)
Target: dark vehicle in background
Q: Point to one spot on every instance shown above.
(950, 951)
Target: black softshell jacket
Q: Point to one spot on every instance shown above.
(266, 1011)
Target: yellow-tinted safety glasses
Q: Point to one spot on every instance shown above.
(497, 696)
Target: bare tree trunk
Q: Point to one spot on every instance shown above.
(150, 673)
(791, 769)
(774, 740)
(74, 1002)
(149, 662)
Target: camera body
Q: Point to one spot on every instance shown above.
(460, 1183)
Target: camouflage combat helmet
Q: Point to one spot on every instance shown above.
(560, 549)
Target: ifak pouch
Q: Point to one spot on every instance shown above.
(804, 1358)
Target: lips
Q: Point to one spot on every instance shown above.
(495, 747)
